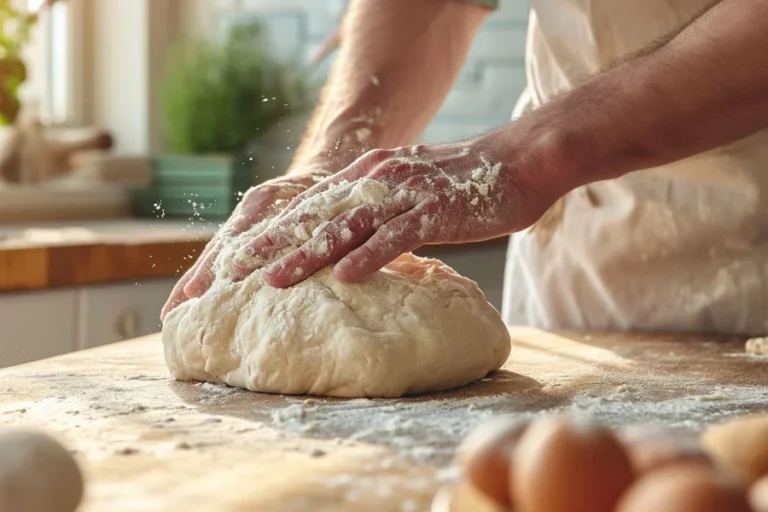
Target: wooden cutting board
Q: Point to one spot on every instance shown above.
(149, 443)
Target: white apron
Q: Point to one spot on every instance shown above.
(683, 247)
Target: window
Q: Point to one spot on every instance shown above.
(49, 60)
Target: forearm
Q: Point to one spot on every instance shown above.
(706, 88)
(397, 62)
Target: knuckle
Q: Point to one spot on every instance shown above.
(250, 195)
(361, 218)
(299, 257)
(264, 240)
(430, 208)
(416, 181)
(392, 171)
(365, 253)
(328, 244)
(378, 155)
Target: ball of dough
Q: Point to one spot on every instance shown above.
(684, 488)
(486, 456)
(413, 327)
(573, 465)
(740, 445)
(37, 474)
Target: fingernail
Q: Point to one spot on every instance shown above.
(272, 269)
(343, 265)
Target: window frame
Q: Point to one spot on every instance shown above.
(59, 93)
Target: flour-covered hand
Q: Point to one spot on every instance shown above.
(258, 203)
(412, 196)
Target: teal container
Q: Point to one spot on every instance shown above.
(205, 187)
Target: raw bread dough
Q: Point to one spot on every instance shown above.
(37, 474)
(757, 346)
(413, 327)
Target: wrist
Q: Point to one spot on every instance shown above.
(332, 156)
(547, 157)
(342, 138)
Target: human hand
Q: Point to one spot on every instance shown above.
(434, 194)
(258, 203)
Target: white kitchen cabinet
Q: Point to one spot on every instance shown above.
(36, 325)
(115, 312)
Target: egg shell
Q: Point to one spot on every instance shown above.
(684, 488)
(569, 465)
(758, 495)
(663, 449)
(486, 456)
(740, 445)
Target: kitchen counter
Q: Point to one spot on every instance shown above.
(63, 254)
(149, 443)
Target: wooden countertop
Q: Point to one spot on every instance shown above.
(82, 253)
(149, 443)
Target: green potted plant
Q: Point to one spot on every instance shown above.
(216, 100)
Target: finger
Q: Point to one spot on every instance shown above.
(398, 236)
(203, 278)
(336, 240)
(249, 213)
(178, 296)
(352, 172)
(293, 226)
(292, 230)
(258, 203)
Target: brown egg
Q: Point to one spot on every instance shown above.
(740, 445)
(758, 495)
(486, 455)
(567, 465)
(684, 488)
(658, 449)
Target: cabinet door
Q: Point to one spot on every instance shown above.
(115, 312)
(36, 325)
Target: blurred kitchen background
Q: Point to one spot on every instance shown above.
(132, 127)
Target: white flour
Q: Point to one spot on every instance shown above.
(428, 430)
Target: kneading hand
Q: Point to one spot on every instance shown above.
(440, 194)
(259, 202)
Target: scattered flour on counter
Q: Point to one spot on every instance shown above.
(428, 430)
(291, 413)
(218, 389)
(691, 412)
